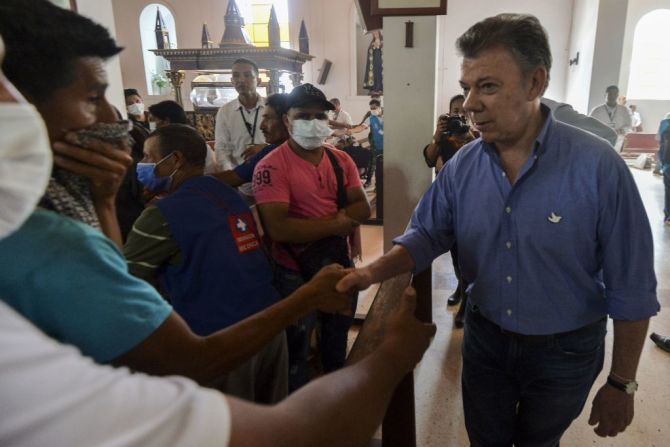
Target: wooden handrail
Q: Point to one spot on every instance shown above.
(399, 425)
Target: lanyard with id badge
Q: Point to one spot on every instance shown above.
(251, 129)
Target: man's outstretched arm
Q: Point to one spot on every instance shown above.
(396, 261)
(173, 349)
(343, 408)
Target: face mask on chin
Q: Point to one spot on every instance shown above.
(25, 163)
(310, 134)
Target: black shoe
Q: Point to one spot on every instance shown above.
(459, 319)
(661, 341)
(454, 298)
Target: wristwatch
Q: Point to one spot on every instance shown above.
(628, 388)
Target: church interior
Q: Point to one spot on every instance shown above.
(398, 59)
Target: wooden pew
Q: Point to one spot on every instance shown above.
(399, 425)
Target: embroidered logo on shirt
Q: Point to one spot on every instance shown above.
(243, 232)
(553, 218)
(241, 225)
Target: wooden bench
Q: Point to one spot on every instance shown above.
(636, 143)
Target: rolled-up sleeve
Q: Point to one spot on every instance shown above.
(626, 245)
(431, 231)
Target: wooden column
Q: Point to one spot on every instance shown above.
(176, 78)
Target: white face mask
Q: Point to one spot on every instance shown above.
(310, 134)
(136, 109)
(374, 112)
(25, 163)
(152, 125)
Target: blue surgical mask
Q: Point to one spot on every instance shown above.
(146, 174)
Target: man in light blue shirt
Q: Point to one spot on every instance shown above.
(552, 238)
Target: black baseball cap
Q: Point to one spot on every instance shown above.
(305, 95)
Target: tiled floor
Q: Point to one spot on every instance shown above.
(437, 379)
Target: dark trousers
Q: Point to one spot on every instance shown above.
(333, 330)
(371, 167)
(457, 270)
(666, 183)
(526, 391)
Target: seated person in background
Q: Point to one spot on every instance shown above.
(71, 100)
(73, 283)
(135, 107)
(310, 200)
(636, 119)
(374, 122)
(340, 121)
(166, 112)
(52, 395)
(275, 133)
(170, 112)
(200, 241)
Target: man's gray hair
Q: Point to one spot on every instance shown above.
(521, 34)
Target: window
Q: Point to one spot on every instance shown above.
(155, 66)
(256, 15)
(650, 63)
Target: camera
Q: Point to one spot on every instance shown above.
(456, 125)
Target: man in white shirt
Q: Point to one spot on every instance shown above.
(614, 115)
(565, 113)
(237, 131)
(340, 121)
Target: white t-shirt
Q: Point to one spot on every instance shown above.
(232, 136)
(617, 117)
(341, 117)
(50, 395)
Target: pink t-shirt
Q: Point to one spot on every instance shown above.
(311, 191)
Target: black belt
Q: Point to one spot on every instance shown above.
(540, 339)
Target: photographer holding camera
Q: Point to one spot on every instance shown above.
(451, 133)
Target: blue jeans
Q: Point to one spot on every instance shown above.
(334, 330)
(525, 392)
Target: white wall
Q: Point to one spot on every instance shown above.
(101, 12)
(608, 49)
(331, 27)
(409, 118)
(555, 15)
(582, 40)
(652, 111)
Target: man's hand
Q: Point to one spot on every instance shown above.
(327, 299)
(357, 279)
(406, 338)
(252, 150)
(612, 411)
(345, 225)
(105, 164)
(440, 127)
